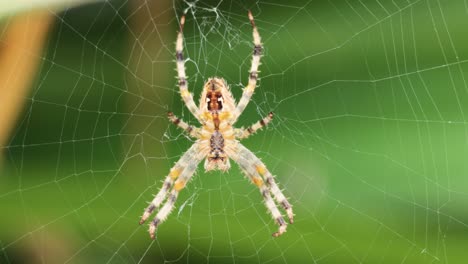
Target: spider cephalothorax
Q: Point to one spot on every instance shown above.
(217, 141)
(216, 97)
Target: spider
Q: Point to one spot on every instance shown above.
(217, 140)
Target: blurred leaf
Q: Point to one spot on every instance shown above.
(12, 7)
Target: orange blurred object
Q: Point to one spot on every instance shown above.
(21, 51)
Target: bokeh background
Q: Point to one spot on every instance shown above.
(369, 139)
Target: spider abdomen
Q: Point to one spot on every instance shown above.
(217, 158)
(217, 147)
(217, 142)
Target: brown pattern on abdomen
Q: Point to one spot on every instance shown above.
(217, 146)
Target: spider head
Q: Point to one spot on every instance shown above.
(216, 96)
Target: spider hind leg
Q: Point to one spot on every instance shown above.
(256, 171)
(178, 177)
(266, 193)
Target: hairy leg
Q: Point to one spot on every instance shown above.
(253, 75)
(179, 184)
(192, 131)
(242, 133)
(260, 176)
(186, 95)
(185, 166)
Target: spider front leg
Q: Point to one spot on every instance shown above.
(242, 133)
(186, 95)
(253, 75)
(180, 174)
(255, 170)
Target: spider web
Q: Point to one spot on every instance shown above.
(369, 139)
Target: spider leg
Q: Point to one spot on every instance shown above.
(242, 133)
(179, 174)
(179, 184)
(251, 173)
(254, 162)
(277, 193)
(253, 75)
(192, 131)
(257, 172)
(186, 95)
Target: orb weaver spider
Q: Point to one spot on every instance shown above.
(217, 140)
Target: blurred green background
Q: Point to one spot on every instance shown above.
(369, 139)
